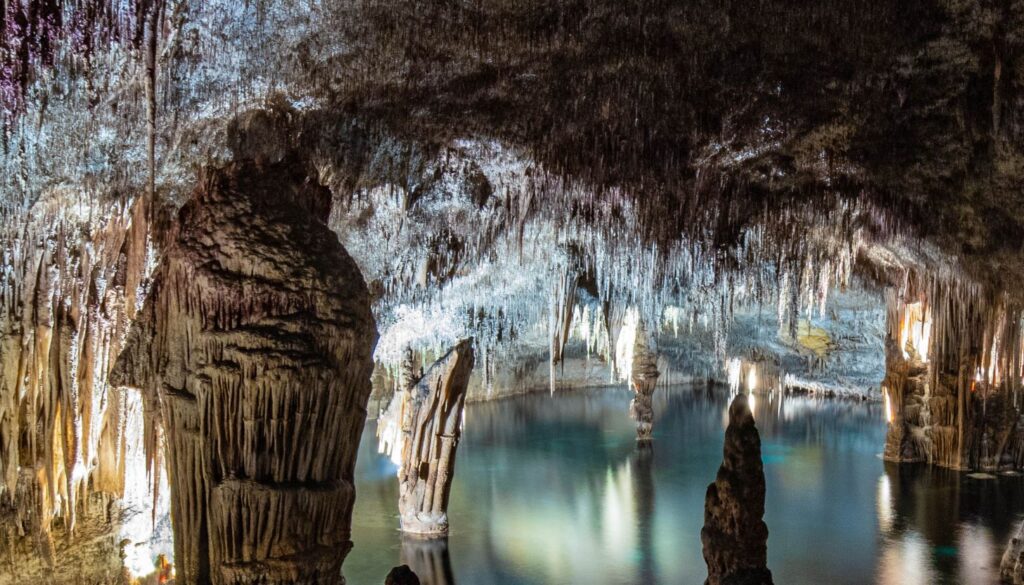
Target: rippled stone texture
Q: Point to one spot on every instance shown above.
(254, 348)
(431, 428)
(734, 536)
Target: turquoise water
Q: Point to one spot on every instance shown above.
(554, 491)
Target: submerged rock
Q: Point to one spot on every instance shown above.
(402, 575)
(734, 536)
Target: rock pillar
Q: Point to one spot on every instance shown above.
(643, 380)
(431, 427)
(255, 344)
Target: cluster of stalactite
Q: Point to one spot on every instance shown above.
(71, 282)
(253, 352)
(954, 367)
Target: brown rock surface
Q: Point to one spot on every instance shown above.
(643, 381)
(734, 536)
(431, 427)
(254, 350)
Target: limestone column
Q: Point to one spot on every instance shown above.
(643, 380)
(734, 536)
(256, 344)
(431, 427)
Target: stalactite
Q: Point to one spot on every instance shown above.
(952, 372)
(255, 344)
(64, 314)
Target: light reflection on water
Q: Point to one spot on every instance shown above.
(556, 491)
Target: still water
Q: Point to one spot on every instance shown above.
(554, 491)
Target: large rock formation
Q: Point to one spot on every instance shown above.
(643, 380)
(431, 425)
(734, 536)
(952, 379)
(253, 350)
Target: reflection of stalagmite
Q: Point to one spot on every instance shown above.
(734, 536)
(431, 420)
(429, 559)
(256, 344)
(643, 488)
(643, 380)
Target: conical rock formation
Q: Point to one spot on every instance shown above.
(734, 536)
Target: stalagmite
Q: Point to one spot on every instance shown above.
(431, 423)
(643, 380)
(734, 536)
(255, 344)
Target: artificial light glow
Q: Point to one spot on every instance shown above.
(624, 344)
(916, 330)
(751, 379)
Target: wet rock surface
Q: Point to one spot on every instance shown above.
(735, 537)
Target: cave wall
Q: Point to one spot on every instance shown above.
(952, 380)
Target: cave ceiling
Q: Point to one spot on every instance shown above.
(705, 154)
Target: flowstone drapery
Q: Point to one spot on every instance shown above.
(253, 350)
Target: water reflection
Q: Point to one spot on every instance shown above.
(940, 526)
(429, 559)
(556, 490)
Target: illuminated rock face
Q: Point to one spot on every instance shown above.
(950, 391)
(734, 536)
(431, 427)
(254, 347)
(643, 381)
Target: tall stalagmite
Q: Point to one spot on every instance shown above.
(431, 424)
(254, 350)
(734, 536)
(643, 380)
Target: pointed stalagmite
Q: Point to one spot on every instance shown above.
(402, 575)
(643, 380)
(734, 536)
(431, 424)
(255, 343)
